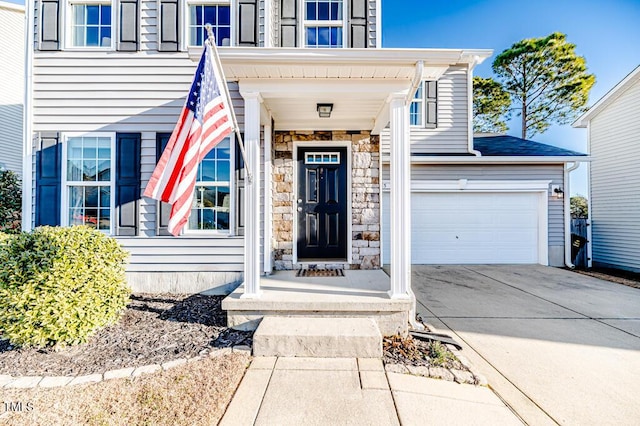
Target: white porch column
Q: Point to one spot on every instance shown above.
(400, 206)
(252, 101)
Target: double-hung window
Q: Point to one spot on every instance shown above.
(323, 23)
(416, 109)
(88, 172)
(217, 14)
(211, 208)
(423, 111)
(91, 24)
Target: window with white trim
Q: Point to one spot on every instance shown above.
(211, 208)
(91, 24)
(416, 109)
(88, 181)
(218, 14)
(423, 111)
(323, 23)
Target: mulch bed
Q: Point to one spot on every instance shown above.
(154, 329)
(627, 278)
(418, 353)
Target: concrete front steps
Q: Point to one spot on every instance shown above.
(317, 337)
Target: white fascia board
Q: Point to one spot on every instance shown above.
(280, 55)
(493, 160)
(301, 88)
(608, 98)
(12, 6)
(468, 185)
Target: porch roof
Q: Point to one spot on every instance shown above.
(358, 82)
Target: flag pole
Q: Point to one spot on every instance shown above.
(211, 41)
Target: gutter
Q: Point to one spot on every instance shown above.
(27, 121)
(567, 214)
(515, 159)
(417, 79)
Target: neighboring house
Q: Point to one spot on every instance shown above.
(613, 129)
(330, 191)
(12, 46)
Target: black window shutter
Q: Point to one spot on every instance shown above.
(247, 23)
(48, 178)
(49, 25)
(169, 26)
(431, 104)
(289, 23)
(127, 183)
(163, 210)
(128, 38)
(358, 23)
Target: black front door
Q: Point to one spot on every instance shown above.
(322, 203)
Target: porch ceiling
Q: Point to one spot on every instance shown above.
(358, 82)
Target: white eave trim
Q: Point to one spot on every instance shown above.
(608, 98)
(416, 159)
(279, 55)
(468, 185)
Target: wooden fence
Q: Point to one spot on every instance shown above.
(579, 243)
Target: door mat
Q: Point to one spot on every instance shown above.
(320, 273)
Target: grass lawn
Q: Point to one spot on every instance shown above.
(196, 393)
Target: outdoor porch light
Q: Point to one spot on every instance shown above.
(324, 110)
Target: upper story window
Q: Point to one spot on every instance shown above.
(211, 206)
(416, 109)
(423, 111)
(88, 179)
(216, 14)
(323, 23)
(91, 24)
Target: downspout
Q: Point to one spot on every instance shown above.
(472, 65)
(567, 215)
(589, 215)
(27, 120)
(417, 79)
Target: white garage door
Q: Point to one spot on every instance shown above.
(459, 228)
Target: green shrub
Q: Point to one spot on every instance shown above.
(10, 202)
(60, 285)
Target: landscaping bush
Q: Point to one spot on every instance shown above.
(60, 285)
(10, 202)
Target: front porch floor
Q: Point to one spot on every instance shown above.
(360, 293)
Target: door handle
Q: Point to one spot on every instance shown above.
(299, 209)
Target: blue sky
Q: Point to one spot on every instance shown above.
(605, 32)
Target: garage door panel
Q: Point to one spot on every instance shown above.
(458, 228)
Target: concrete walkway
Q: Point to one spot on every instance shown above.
(349, 391)
(556, 346)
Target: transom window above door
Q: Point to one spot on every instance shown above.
(216, 14)
(323, 23)
(322, 158)
(91, 24)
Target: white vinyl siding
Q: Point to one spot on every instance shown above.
(11, 86)
(141, 92)
(451, 134)
(185, 254)
(615, 182)
(553, 172)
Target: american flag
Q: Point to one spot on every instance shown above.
(204, 121)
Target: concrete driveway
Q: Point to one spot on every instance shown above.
(556, 346)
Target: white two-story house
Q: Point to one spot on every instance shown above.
(360, 155)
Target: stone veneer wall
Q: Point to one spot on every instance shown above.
(365, 193)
